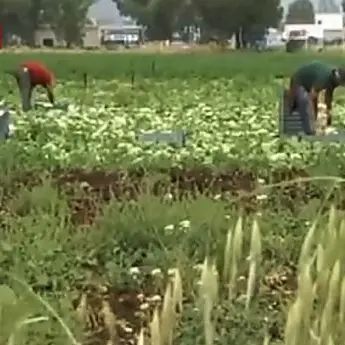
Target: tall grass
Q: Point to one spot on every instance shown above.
(315, 314)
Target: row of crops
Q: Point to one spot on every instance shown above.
(227, 103)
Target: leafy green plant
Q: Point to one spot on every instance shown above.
(16, 314)
(82, 243)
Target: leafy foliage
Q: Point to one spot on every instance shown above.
(68, 241)
(220, 17)
(300, 12)
(178, 90)
(162, 18)
(68, 18)
(23, 17)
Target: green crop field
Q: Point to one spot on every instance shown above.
(235, 238)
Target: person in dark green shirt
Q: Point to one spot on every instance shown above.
(306, 84)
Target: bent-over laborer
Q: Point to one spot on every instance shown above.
(306, 84)
(39, 75)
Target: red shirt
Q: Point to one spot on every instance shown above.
(40, 74)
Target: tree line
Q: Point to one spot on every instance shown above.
(246, 19)
(303, 11)
(217, 18)
(22, 17)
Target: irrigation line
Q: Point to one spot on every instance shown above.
(323, 202)
(262, 188)
(334, 179)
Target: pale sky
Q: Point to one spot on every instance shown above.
(105, 10)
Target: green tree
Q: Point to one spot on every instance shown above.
(216, 18)
(67, 18)
(22, 17)
(32, 18)
(13, 15)
(161, 17)
(257, 19)
(300, 12)
(244, 18)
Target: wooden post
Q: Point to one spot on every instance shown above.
(1, 35)
(25, 89)
(281, 110)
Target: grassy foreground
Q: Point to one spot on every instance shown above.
(235, 238)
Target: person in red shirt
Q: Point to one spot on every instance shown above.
(39, 75)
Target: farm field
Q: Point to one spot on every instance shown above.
(98, 228)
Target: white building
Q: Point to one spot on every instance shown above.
(332, 21)
(332, 25)
(274, 38)
(303, 31)
(327, 27)
(46, 37)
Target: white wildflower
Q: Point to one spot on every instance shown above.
(169, 228)
(156, 272)
(134, 271)
(185, 224)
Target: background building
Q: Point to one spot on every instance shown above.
(105, 26)
(327, 29)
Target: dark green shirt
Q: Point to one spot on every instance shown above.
(315, 75)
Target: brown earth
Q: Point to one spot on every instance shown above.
(133, 309)
(239, 187)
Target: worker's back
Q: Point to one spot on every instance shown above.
(315, 75)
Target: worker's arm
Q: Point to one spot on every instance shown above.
(50, 94)
(328, 100)
(314, 97)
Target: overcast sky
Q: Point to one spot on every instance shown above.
(106, 10)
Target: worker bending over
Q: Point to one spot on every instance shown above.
(306, 84)
(39, 75)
